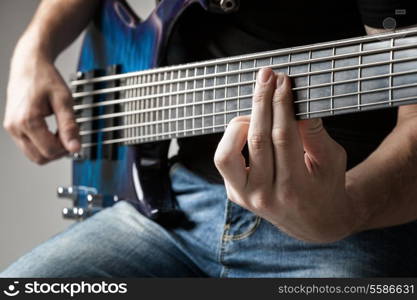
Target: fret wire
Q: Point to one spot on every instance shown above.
(138, 105)
(116, 101)
(165, 89)
(185, 101)
(203, 97)
(255, 63)
(161, 99)
(149, 129)
(126, 105)
(140, 92)
(146, 107)
(249, 109)
(391, 71)
(154, 104)
(87, 119)
(300, 49)
(170, 98)
(214, 96)
(134, 94)
(142, 107)
(169, 109)
(155, 90)
(165, 100)
(130, 107)
(177, 101)
(170, 113)
(148, 92)
(239, 80)
(173, 100)
(194, 87)
(225, 94)
(154, 100)
(150, 111)
(289, 61)
(359, 75)
(309, 82)
(332, 81)
(125, 119)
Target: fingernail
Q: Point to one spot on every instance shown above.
(264, 75)
(280, 80)
(73, 145)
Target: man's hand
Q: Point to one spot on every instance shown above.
(296, 174)
(35, 91)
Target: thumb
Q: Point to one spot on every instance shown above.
(68, 131)
(316, 141)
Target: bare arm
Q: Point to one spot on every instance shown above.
(385, 184)
(36, 89)
(56, 24)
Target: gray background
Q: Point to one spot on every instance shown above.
(29, 210)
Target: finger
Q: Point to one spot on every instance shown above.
(30, 150)
(289, 153)
(37, 131)
(314, 137)
(68, 131)
(234, 195)
(319, 146)
(259, 136)
(228, 157)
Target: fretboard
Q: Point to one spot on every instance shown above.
(332, 78)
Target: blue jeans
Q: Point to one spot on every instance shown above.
(225, 241)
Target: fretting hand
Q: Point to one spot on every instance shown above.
(296, 173)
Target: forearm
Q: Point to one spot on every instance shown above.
(383, 187)
(36, 89)
(55, 25)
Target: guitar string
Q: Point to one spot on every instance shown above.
(399, 34)
(219, 100)
(177, 133)
(78, 95)
(238, 71)
(397, 101)
(170, 120)
(77, 107)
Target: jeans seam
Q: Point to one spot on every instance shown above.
(223, 241)
(246, 234)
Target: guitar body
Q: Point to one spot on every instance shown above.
(106, 174)
(119, 115)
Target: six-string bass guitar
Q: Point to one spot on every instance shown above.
(129, 107)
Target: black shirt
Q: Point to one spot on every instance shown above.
(265, 25)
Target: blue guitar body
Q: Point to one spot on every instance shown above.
(117, 42)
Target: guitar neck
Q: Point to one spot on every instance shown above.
(332, 78)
